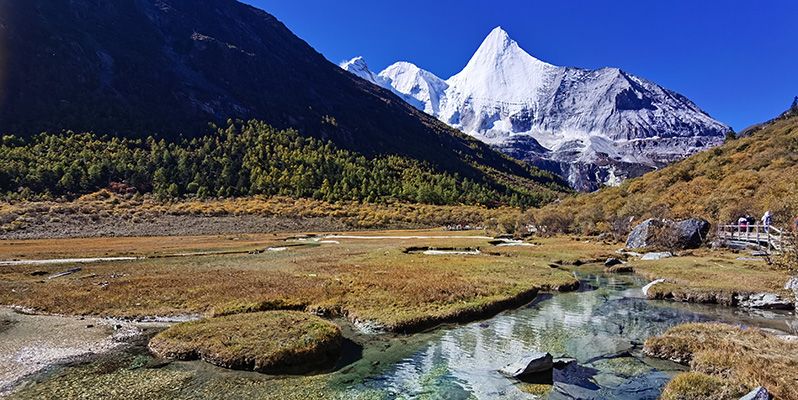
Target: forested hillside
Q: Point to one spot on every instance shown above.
(135, 68)
(748, 175)
(242, 159)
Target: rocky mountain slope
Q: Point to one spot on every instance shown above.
(168, 67)
(593, 127)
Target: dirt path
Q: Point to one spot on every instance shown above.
(366, 237)
(65, 261)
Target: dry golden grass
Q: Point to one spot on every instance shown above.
(270, 342)
(18, 215)
(727, 360)
(698, 386)
(712, 276)
(366, 280)
(744, 176)
(137, 246)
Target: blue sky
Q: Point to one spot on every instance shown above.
(738, 60)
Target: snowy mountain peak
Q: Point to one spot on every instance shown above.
(501, 69)
(358, 67)
(497, 39)
(419, 87)
(401, 67)
(593, 127)
(499, 47)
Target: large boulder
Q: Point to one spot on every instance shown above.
(685, 234)
(691, 233)
(792, 285)
(641, 235)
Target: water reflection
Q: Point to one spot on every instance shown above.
(602, 328)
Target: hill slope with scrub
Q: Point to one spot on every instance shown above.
(747, 175)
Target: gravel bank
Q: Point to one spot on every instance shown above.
(31, 343)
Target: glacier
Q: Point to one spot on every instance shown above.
(592, 127)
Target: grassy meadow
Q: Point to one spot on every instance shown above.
(268, 342)
(367, 280)
(712, 276)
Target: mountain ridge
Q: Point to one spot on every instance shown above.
(593, 127)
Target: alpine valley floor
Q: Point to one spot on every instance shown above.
(404, 301)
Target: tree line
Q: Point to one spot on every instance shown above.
(241, 159)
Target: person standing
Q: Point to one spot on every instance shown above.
(742, 224)
(766, 220)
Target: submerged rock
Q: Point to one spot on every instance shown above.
(588, 349)
(563, 362)
(759, 393)
(534, 363)
(570, 391)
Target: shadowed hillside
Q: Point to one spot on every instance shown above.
(169, 67)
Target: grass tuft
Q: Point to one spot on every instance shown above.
(271, 342)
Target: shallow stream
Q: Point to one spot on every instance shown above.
(602, 326)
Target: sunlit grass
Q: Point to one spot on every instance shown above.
(364, 280)
(712, 273)
(727, 361)
(273, 342)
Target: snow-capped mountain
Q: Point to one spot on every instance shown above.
(418, 87)
(594, 127)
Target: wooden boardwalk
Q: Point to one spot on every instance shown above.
(767, 238)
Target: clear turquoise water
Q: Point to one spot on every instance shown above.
(603, 327)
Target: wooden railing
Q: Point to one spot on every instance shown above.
(767, 238)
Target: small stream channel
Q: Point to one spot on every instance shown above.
(602, 326)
